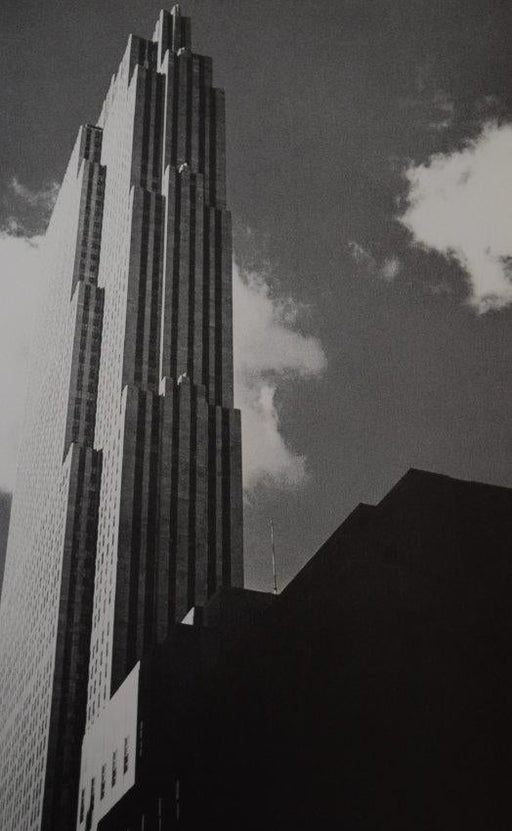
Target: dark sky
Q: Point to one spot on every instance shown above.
(328, 103)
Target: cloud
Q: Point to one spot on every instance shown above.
(13, 227)
(433, 108)
(362, 257)
(25, 212)
(460, 205)
(44, 198)
(390, 268)
(268, 349)
(387, 270)
(442, 112)
(19, 290)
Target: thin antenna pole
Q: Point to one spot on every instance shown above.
(274, 569)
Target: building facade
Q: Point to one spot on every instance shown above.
(128, 503)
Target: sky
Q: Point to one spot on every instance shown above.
(369, 157)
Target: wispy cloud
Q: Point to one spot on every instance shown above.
(386, 270)
(44, 198)
(434, 109)
(25, 212)
(269, 348)
(390, 268)
(460, 205)
(362, 256)
(442, 111)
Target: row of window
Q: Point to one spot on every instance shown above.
(126, 761)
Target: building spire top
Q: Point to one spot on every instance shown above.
(172, 31)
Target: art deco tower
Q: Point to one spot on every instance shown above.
(128, 508)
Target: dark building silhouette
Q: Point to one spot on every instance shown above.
(373, 693)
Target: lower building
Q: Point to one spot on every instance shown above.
(373, 693)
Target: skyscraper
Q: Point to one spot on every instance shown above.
(128, 503)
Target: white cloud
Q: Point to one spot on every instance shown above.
(460, 204)
(268, 349)
(390, 269)
(13, 227)
(387, 270)
(433, 108)
(19, 291)
(362, 257)
(443, 111)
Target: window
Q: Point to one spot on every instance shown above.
(141, 729)
(125, 761)
(102, 789)
(114, 771)
(177, 795)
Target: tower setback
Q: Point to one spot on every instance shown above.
(128, 503)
